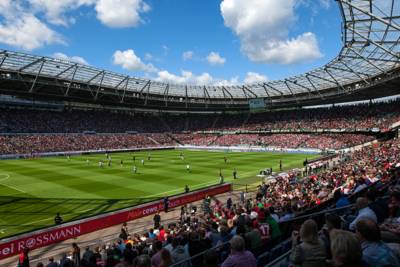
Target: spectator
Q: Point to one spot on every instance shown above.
(375, 252)
(23, 260)
(52, 263)
(156, 258)
(179, 253)
(239, 257)
(364, 212)
(76, 255)
(39, 264)
(143, 261)
(346, 249)
(311, 252)
(166, 259)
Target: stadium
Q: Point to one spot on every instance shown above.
(100, 168)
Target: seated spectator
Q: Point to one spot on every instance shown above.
(179, 253)
(364, 212)
(311, 252)
(346, 249)
(375, 252)
(341, 199)
(332, 222)
(166, 259)
(143, 261)
(239, 257)
(156, 258)
(52, 263)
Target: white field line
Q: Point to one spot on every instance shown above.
(7, 177)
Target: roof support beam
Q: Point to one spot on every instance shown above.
(37, 75)
(374, 43)
(166, 91)
(290, 90)
(367, 60)
(321, 78)
(313, 86)
(99, 87)
(31, 64)
(266, 91)
(298, 84)
(71, 81)
(64, 71)
(95, 76)
(147, 93)
(273, 88)
(245, 88)
(125, 88)
(206, 96)
(358, 74)
(333, 78)
(186, 96)
(144, 87)
(375, 59)
(384, 21)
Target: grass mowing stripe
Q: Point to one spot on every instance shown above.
(54, 184)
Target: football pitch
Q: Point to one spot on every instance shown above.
(32, 191)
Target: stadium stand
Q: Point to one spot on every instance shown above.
(259, 227)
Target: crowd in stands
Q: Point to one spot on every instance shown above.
(238, 233)
(318, 141)
(28, 144)
(21, 144)
(362, 116)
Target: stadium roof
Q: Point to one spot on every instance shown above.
(370, 53)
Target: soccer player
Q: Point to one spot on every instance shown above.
(134, 169)
(68, 158)
(149, 156)
(234, 173)
(280, 165)
(122, 163)
(221, 178)
(101, 164)
(142, 162)
(182, 156)
(87, 162)
(187, 167)
(109, 163)
(225, 159)
(134, 158)
(58, 219)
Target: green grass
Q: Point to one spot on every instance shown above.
(32, 191)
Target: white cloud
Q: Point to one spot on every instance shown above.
(27, 32)
(263, 28)
(214, 58)
(186, 77)
(22, 29)
(254, 77)
(75, 59)
(121, 13)
(187, 55)
(55, 9)
(128, 60)
(231, 82)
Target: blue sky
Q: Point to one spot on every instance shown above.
(225, 42)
